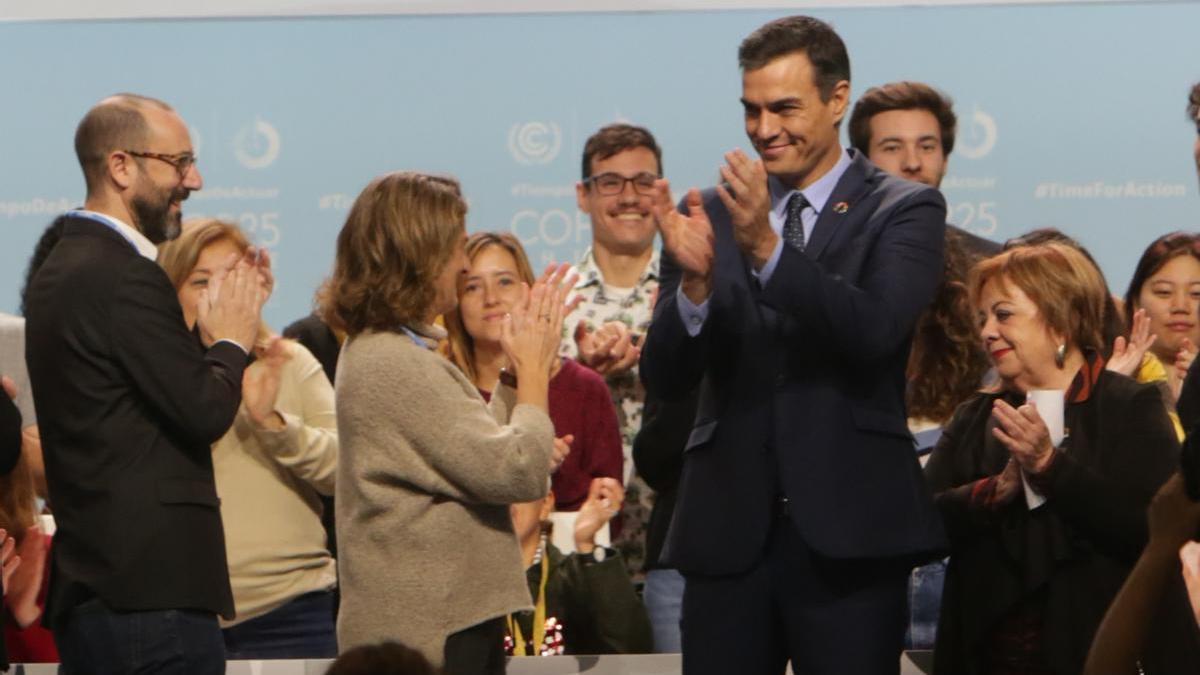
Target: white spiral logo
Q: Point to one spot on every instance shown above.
(980, 138)
(257, 145)
(534, 142)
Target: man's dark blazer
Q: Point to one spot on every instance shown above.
(129, 405)
(802, 383)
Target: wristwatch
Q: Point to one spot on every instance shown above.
(599, 554)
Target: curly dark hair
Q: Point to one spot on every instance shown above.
(947, 363)
(398, 236)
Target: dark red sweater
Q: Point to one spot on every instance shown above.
(581, 405)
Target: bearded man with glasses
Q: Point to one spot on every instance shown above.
(129, 403)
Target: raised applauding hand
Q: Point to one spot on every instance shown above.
(25, 583)
(562, 448)
(688, 239)
(749, 206)
(1127, 354)
(8, 561)
(260, 384)
(1177, 372)
(533, 330)
(1025, 434)
(605, 496)
(231, 307)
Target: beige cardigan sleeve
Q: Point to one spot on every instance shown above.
(432, 430)
(307, 446)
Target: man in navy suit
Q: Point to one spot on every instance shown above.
(788, 296)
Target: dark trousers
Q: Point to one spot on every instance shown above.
(478, 650)
(825, 616)
(96, 639)
(301, 629)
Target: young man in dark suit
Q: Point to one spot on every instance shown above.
(788, 296)
(129, 402)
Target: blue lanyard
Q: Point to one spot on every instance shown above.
(76, 213)
(415, 338)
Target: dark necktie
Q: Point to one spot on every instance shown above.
(793, 226)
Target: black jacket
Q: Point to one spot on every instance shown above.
(129, 404)
(1071, 555)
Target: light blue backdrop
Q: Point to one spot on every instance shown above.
(1071, 115)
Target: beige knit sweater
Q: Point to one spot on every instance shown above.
(268, 482)
(425, 477)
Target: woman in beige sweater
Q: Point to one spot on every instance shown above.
(428, 470)
(271, 468)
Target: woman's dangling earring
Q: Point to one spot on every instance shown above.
(1060, 355)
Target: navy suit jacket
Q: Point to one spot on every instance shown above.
(802, 383)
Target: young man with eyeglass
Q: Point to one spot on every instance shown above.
(618, 280)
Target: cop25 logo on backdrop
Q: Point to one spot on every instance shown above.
(257, 145)
(534, 142)
(978, 139)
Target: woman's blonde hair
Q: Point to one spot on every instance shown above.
(399, 234)
(1066, 288)
(179, 256)
(460, 346)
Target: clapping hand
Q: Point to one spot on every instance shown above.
(1177, 372)
(1025, 434)
(1189, 555)
(749, 206)
(26, 582)
(260, 259)
(260, 384)
(608, 350)
(688, 239)
(8, 561)
(231, 307)
(1127, 354)
(531, 333)
(562, 448)
(605, 496)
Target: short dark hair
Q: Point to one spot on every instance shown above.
(902, 96)
(615, 138)
(116, 123)
(1193, 108)
(815, 38)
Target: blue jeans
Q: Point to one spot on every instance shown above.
(924, 604)
(301, 629)
(663, 596)
(96, 639)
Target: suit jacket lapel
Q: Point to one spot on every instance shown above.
(839, 214)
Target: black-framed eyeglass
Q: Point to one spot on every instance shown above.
(614, 183)
(182, 162)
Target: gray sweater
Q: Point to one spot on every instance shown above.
(425, 477)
